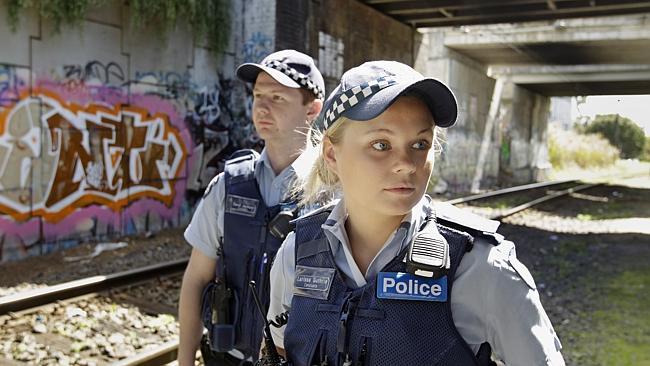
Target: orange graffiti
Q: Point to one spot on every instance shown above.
(85, 155)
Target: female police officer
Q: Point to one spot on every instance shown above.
(368, 280)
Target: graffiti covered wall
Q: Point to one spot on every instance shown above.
(107, 131)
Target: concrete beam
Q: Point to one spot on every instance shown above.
(611, 40)
(576, 73)
(575, 88)
(578, 79)
(631, 27)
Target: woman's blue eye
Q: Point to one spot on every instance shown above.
(421, 145)
(380, 145)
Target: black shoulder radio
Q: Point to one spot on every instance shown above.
(428, 254)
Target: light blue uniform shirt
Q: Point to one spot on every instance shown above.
(491, 301)
(205, 231)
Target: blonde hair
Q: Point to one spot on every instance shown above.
(318, 184)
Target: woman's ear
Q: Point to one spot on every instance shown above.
(329, 154)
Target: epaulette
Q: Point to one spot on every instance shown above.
(465, 220)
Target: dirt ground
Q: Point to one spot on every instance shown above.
(53, 268)
(594, 279)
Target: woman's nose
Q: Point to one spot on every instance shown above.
(404, 162)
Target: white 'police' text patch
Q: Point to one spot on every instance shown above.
(314, 282)
(239, 205)
(407, 286)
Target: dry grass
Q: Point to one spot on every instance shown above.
(569, 148)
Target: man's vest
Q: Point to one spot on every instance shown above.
(334, 324)
(247, 253)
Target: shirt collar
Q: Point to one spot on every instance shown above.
(302, 163)
(334, 227)
(263, 164)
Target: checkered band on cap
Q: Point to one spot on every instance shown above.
(354, 95)
(297, 76)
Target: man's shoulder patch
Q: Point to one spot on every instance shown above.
(212, 184)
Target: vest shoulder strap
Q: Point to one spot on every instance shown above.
(310, 239)
(240, 166)
(243, 154)
(317, 212)
(313, 221)
(311, 248)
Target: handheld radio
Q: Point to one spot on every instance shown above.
(281, 225)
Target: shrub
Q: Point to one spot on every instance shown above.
(209, 19)
(621, 132)
(645, 155)
(570, 148)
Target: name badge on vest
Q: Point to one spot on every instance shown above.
(314, 282)
(239, 205)
(407, 286)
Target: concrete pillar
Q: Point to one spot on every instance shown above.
(473, 88)
(523, 154)
(487, 134)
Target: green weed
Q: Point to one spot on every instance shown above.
(619, 332)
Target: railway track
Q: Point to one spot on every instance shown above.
(41, 296)
(509, 190)
(545, 194)
(63, 301)
(547, 191)
(16, 304)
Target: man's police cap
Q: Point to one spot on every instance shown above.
(288, 67)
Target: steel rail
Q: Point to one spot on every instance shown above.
(537, 201)
(500, 192)
(160, 355)
(41, 296)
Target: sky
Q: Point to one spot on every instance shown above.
(634, 107)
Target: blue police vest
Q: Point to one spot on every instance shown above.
(355, 325)
(248, 251)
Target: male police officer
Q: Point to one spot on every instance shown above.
(237, 227)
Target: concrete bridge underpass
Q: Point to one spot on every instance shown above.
(505, 74)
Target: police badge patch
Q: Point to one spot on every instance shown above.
(407, 286)
(239, 205)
